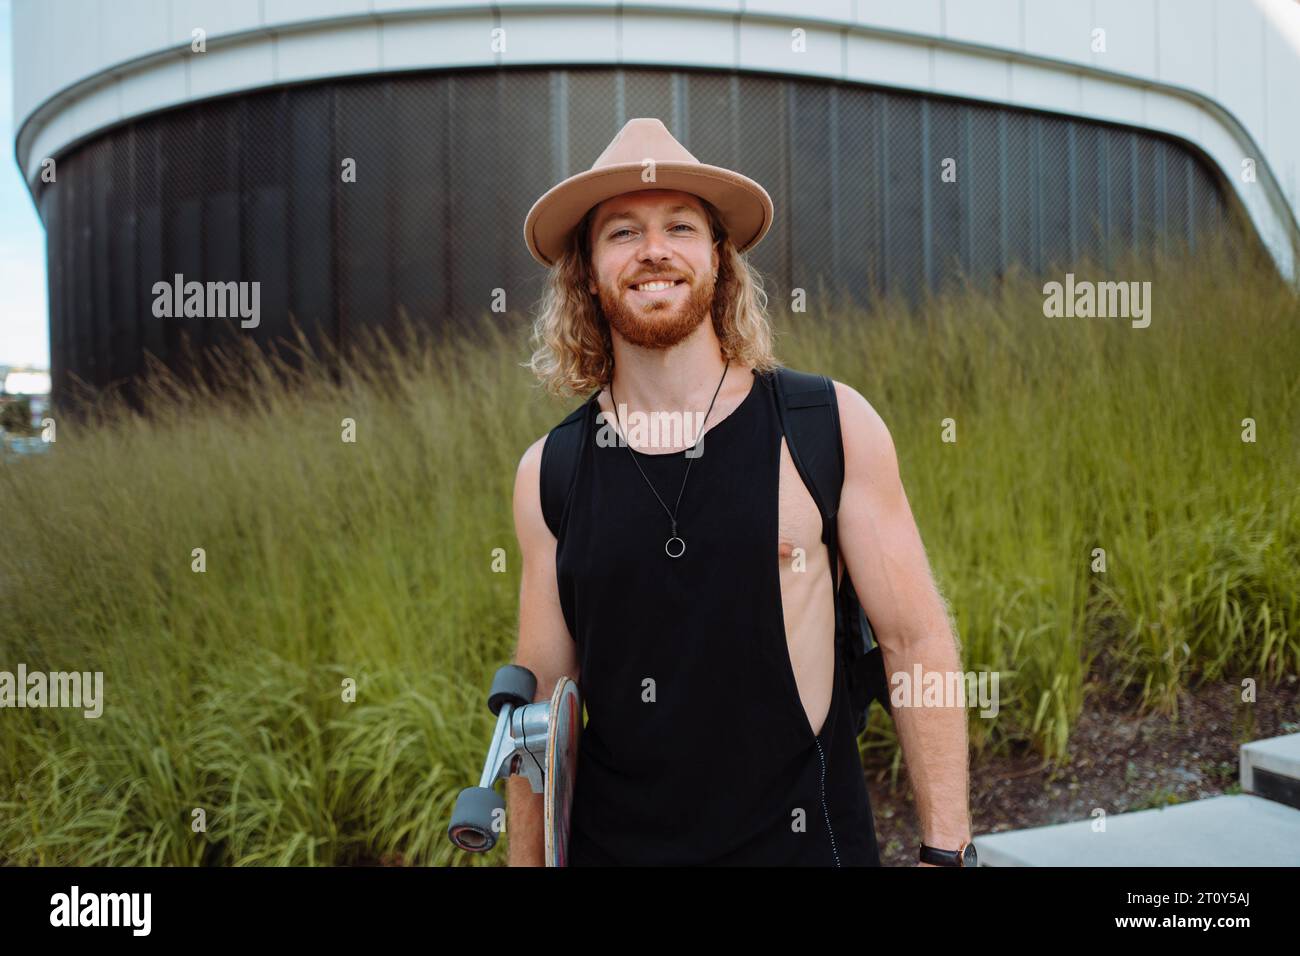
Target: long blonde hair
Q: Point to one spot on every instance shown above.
(574, 352)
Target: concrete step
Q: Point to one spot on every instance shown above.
(1236, 830)
(1271, 769)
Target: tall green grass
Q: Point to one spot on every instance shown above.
(374, 561)
(1083, 433)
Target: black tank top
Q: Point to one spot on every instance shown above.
(697, 749)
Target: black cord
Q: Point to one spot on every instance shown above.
(672, 515)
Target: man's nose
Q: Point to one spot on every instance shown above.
(654, 245)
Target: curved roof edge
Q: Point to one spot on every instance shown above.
(246, 58)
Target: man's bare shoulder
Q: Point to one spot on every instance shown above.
(869, 453)
(531, 460)
(529, 522)
(528, 474)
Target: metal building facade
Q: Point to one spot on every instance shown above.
(204, 139)
(250, 188)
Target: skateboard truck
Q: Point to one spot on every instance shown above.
(538, 741)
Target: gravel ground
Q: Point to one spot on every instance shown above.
(1119, 760)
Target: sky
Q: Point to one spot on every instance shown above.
(24, 327)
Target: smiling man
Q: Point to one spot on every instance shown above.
(689, 591)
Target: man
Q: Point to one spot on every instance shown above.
(687, 587)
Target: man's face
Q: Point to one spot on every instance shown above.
(652, 233)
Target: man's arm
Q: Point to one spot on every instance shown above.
(884, 555)
(545, 646)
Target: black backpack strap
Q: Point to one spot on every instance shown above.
(810, 418)
(560, 464)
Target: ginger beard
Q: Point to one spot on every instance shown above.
(657, 323)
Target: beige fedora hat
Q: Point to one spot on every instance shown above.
(744, 205)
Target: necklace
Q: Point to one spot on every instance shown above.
(673, 551)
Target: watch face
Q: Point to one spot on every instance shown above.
(968, 857)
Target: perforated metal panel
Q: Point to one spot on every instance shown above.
(447, 165)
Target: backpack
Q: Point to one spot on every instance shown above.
(808, 410)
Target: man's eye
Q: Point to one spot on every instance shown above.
(680, 225)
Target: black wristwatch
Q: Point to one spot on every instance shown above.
(964, 855)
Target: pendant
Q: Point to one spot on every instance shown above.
(668, 547)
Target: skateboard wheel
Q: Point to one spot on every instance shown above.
(473, 818)
(512, 685)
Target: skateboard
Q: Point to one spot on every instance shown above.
(538, 741)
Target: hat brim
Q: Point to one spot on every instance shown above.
(744, 205)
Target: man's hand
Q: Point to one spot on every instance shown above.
(545, 646)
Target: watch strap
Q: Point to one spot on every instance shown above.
(938, 857)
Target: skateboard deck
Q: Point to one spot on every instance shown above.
(561, 768)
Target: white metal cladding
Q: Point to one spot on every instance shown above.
(1222, 74)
